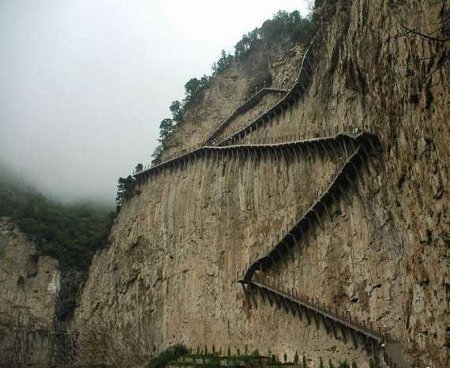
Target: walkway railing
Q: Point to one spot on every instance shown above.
(244, 107)
(343, 179)
(325, 143)
(387, 351)
(304, 306)
(295, 93)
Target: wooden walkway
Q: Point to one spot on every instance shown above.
(244, 107)
(312, 311)
(290, 148)
(360, 147)
(297, 91)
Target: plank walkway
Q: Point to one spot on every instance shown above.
(244, 107)
(362, 144)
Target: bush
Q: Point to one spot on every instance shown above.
(168, 355)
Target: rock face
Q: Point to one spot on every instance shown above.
(29, 285)
(276, 65)
(180, 244)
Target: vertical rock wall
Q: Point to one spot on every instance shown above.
(170, 272)
(29, 284)
(177, 251)
(388, 253)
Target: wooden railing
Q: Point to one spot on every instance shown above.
(387, 351)
(244, 107)
(293, 95)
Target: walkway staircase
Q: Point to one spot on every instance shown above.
(385, 350)
(312, 311)
(360, 148)
(244, 107)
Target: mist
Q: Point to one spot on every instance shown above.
(85, 83)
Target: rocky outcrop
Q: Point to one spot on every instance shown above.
(29, 285)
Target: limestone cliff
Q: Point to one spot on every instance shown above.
(180, 244)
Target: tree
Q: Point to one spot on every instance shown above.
(125, 188)
(223, 63)
(165, 128)
(176, 110)
(192, 87)
(139, 167)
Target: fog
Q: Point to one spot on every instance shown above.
(85, 83)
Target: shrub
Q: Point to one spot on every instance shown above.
(321, 363)
(167, 356)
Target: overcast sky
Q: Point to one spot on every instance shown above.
(85, 83)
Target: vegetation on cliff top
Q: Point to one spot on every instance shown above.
(71, 233)
(290, 27)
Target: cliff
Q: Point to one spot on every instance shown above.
(194, 225)
(266, 66)
(29, 285)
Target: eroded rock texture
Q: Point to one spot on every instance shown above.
(29, 285)
(177, 248)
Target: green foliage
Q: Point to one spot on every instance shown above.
(321, 363)
(344, 364)
(288, 25)
(243, 47)
(284, 25)
(296, 358)
(354, 365)
(165, 128)
(330, 364)
(304, 364)
(223, 63)
(71, 233)
(167, 356)
(125, 188)
(157, 153)
(139, 167)
(176, 110)
(273, 359)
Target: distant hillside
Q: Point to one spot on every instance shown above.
(70, 233)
